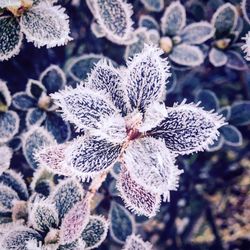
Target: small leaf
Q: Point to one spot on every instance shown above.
(245, 6)
(153, 5)
(7, 196)
(122, 224)
(35, 116)
(232, 136)
(35, 89)
(235, 61)
(208, 99)
(148, 22)
(46, 25)
(135, 197)
(134, 242)
(22, 101)
(225, 111)
(97, 30)
(10, 37)
(5, 157)
(240, 113)
(225, 19)
(95, 232)
(197, 33)
(217, 144)
(187, 55)
(217, 57)
(5, 96)
(9, 125)
(173, 19)
(74, 222)
(35, 138)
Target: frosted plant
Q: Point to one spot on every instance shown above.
(246, 46)
(134, 242)
(124, 119)
(42, 23)
(223, 51)
(177, 39)
(39, 106)
(113, 20)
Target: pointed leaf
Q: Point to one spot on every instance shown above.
(7, 196)
(226, 112)
(217, 57)
(95, 232)
(217, 144)
(187, 55)
(46, 25)
(197, 33)
(35, 116)
(35, 89)
(148, 22)
(208, 99)
(134, 242)
(5, 96)
(232, 136)
(147, 74)
(173, 19)
(5, 157)
(235, 61)
(153, 5)
(135, 197)
(122, 224)
(10, 37)
(240, 113)
(245, 6)
(22, 101)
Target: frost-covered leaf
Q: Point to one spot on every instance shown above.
(84, 107)
(95, 232)
(22, 101)
(225, 19)
(187, 55)
(134, 242)
(53, 78)
(104, 77)
(79, 67)
(46, 25)
(153, 5)
(97, 30)
(146, 77)
(10, 37)
(7, 196)
(15, 181)
(188, 128)
(92, 155)
(152, 166)
(217, 57)
(35, 116)
(197, 33)
(208, 99)
(66, 194)
(35, 88)
(16, 239)
(114, 17)
(246, 47)
(34, 139)
(76, 245)
(232, 136)
(74, 221)
(43, 216)
(59, 128)
(173, 19)
(135, 197)
(5, 96)
(9, 125)
(216, 145)
(240, 113)
(245, 6)
(122, 224)
(148, 22)
(225, 111)
(10, 3)
(236, 61)
(5, 157)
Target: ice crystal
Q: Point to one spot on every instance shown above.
(134, 242)
(246, 46)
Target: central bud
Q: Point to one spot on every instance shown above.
(44, 101)
(19, 9)
(133, 123)
(166, 44)
(222, 43)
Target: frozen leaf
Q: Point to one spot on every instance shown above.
(35, 116)
(15, 181)
(74, 221)
(9, 125)
(46, 25)
(122, 224)
(134, 242)
(197, 33)
(217, 144)
(35, 88)
(10, 37)
(95, 232)
(153, 5)
(225, 19)
(173, 19)
(43, 216)
(240, 113)
(148, 22)
(245, 6)
(84, 107)
(217, 57)
(10, 3)
(92, 155)
(22, 101)
(225, 111)
(152, 166)
(76, 245)
(236, 61)
(232, 136)
(135, 197)
(114, 17)
(53, 78)
(246, 47)
(7, 196)
(5, 96)
(147, 74)
(188, 128)
(5, 157)
(208, 99)
(66, 194)
(97, 30)
(187, 55)
(34, 139)
(17, 238)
